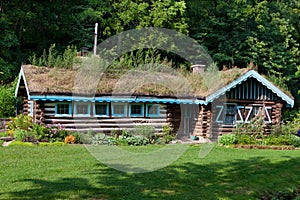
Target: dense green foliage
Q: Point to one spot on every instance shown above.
(23, 129)
(235, 33)
(7, 101)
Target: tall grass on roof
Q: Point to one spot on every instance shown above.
(53, 59)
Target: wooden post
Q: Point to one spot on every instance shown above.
(95, 39)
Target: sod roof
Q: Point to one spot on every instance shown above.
(45, 80)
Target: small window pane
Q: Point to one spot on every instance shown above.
(136, 110)
(63, 109)
(230, 114)
(82, 109)
(101, 109)
(153, 109)
(119, 109)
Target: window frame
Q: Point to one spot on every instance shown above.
(222, 114)
(113, 110)
(101, 115)
(136, 115)
(63, 115)
(152, 115)
(88, 109)
(31, 105)
(230, 114)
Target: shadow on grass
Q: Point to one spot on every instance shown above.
(253, 178)
(65, 188)
(250, 178)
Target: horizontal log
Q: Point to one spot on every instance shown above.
(96, 120)
(112, 125)
(103, 129)
(49, 109)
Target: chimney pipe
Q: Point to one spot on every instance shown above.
(198, 68)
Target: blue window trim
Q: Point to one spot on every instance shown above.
(63, 115)
(31, 103)
(82, 115)
(136, 115)
(153, 115)
(107, 110)
(118, 115)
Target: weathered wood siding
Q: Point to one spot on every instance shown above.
(99, 124)
(203, 122)
(173, 116)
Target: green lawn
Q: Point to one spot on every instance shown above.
(70, 172)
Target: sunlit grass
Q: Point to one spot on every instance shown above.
(71, 172)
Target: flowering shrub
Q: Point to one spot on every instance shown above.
(70, 139)
(22, 122)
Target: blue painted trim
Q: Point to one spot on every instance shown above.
(115, 99)
(31, 108)
(82, 115)
(63, 115)
(152, 115)
(119, 115)
(107, 110)
(244, 77)
(136, 115)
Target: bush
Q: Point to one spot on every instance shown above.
(228, 139)
(77, 136)
(70, 139)
(44, 144)
(40, 132)
(245, 139)
(144, 130)
(111, 140)
(20, 134)
(8, 101)
(58, 144)
(20, 143)
(255, 128)
(1, 143)
(83, 138)
(99, 139)
(22, 122)
(3, 134)
(294, 140)
(283, 140)
(168, 135)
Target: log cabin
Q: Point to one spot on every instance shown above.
(48, 96)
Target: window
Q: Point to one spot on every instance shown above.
(63, 109)
(101, 109)
(119, 110)
(226, 114)
(136, 110)
(152, 110)
(82, 109)
(255, 110)
(31, 104)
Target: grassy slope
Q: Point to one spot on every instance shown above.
(70, 172)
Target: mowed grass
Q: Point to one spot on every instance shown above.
(71, 172)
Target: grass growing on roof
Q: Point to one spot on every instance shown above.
(70, 172)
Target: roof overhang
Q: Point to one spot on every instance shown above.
(131, 99)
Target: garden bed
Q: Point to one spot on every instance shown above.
(249, 146)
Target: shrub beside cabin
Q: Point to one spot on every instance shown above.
(48, 96)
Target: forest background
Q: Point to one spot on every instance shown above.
(234, 32)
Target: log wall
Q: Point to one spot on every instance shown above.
(203, 122)
(45, 113)
(276, 114)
